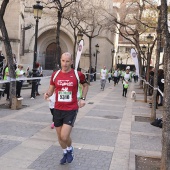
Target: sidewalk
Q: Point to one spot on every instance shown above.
(105, 137)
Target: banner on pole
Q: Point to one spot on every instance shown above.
(79, 51)
(134, 56)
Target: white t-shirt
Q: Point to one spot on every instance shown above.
(103, 73)
(116, 73)
(22, 72)
(126, 78)
(109, 75)
(52, 101)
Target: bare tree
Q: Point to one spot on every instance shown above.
(8, 50)
(91, 26)
(132, 25)
(74, 17)
(155, 90)
(60, 6)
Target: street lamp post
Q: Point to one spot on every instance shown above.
(37, 8)
(121, 63)
(97, 51)
(143, 51)
(112, 52)
(149, 41)
(79, 36)
(118, 61)
(127, 60)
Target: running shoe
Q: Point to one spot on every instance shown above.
(64, 159)
(70, 155)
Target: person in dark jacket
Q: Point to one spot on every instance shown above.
(160, 86)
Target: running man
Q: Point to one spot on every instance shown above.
(66, 105)
(103, 77)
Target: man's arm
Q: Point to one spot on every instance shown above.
(84, 93)
(49, 92)
(85, 90)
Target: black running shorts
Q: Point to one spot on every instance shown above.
(64, 117)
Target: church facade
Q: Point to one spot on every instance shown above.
(21, 30)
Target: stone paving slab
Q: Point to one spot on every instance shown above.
(142, 110)
(94, 137)
(101, 113)
(145, 127)
(115, 97)
(84, 160)
(19, 129)
(8, 163)
(143, 142)
(103, 124)
(140, 104)
(5, 113)
(35, 117)
(113, 102)
(7, 145)
(105, 107)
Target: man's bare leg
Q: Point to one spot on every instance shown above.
(65, 141)
(63, 133)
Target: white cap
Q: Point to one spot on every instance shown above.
(128, 68)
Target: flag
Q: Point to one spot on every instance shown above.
(134, 56)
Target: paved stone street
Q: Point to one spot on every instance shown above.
(105, 137)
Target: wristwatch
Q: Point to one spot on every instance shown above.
(82, 98)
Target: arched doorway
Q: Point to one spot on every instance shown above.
(50, 57)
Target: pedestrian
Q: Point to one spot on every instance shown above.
(115, 76)
(161, 87)
(7, 78)
(51, 102)
(34, 90)
(103, 76)
(126, 78)
(40, 72)
(14, 61)
(66, 104)
(1, 63)
(20, 73)
(109, 76)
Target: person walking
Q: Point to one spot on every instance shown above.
(20, 73)
(115, 77)
(7, 84)
(126, 78)
(109, 76)
(51, 103)
(66, 104)
(103, 76)
(161, 87)
(34, 90)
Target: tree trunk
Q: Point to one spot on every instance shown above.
(8, 50)
(154, 99)
(90, 65)
(74, 48)
(165, 161)
(58, 48)
(147, 75)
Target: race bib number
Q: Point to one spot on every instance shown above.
(64, 96)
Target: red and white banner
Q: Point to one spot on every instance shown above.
(134, 56)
